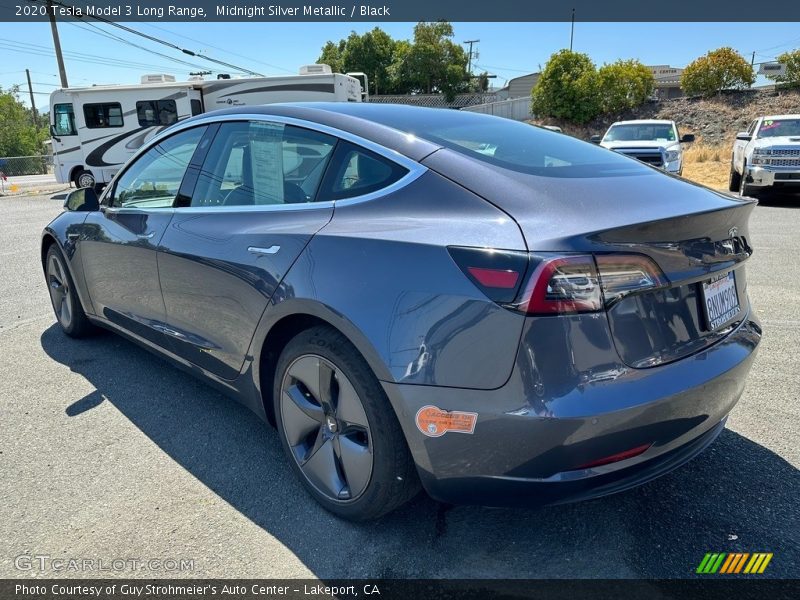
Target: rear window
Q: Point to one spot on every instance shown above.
(511, 144)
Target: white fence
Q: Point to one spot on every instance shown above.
(518, 109)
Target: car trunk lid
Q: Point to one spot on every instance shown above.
(698, 238)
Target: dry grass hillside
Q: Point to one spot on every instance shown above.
(714, 122)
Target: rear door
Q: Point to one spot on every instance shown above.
(253, 209)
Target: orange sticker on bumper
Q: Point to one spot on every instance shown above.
(435, 422)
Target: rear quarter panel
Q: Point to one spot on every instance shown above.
(382, 271)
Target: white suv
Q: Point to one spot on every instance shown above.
(654, 142)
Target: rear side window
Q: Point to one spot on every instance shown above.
(99, 116)
(262, 163)
(156, 112)
(64, 119)
(356, 171)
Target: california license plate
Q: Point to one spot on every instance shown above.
(720, 300)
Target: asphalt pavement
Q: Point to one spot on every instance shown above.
(108, 453)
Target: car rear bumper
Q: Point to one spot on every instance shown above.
(532, 440)
(766, 177)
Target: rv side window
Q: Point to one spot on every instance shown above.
(197, 108)
(156, 112)
(103, 115)
(64, 120)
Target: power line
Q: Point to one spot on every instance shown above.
(205, 43)
(97, 31)
(164, 42)
(38, 50)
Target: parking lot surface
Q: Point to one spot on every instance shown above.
(107, 452)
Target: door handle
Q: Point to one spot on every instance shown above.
(145, 236)
(263, 251)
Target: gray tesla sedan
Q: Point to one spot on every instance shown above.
(495, 312)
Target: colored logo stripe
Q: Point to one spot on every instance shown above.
(734, 562)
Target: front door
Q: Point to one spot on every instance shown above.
(119, 242)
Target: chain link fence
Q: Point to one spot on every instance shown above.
(15, 166)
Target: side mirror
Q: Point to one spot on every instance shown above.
(82, 200)
(596, 139)
(53, 133)
(744, 136)
(687, 138)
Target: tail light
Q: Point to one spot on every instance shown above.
(558, 284)
(566, 284)
(622, 274)
(497, 273)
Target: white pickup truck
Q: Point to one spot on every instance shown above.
(655, 142)
(766, 156)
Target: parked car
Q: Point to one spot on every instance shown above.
(654, 142)
(766, 156)
(500, 313)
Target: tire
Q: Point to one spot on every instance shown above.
(84, 179)
(342, 438)
(63, 297)
(744, 189)
(735, 180)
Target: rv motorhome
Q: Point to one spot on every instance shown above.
(96, 129)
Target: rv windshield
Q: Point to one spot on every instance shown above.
(63, 120)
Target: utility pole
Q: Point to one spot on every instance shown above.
(57, 44)
(572, 30)
(33, 102)
(471, 42)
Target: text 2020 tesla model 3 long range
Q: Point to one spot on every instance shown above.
(498, 312)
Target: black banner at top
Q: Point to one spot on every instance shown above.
(378, 11)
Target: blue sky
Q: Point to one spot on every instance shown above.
(506, 49)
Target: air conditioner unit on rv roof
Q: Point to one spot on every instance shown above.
(315, 70)
(158, 78)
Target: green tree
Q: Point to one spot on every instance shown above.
(721, 69)
(431, 63)
(568, 88)
(434, 63)
(624, 84)
(332, 55)
(792, 61)
(370, 53)
(18, 136)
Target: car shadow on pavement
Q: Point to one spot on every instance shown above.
(736, 496)
(780, 199)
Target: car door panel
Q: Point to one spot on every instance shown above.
(119, 243)
(118, 251)
(218, 272)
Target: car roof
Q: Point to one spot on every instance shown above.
(365, 120)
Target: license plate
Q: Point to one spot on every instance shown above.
(720, 300)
